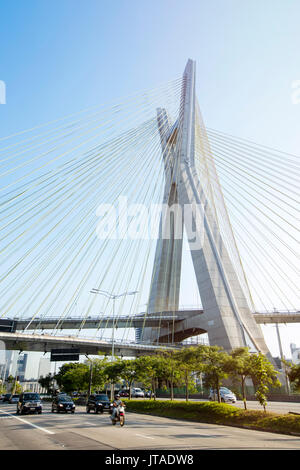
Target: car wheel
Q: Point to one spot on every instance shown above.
(72, 412)
(88, 410)
(96, 411)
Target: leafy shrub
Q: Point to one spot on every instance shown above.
(217, 413)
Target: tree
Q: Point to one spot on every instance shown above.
(171, 369)
(294, 375)
(149, 370)
(129, 373)
(46, 382)
(99, 374)
(239, 365)
(188, 364)
(2, 387)
(264, 375)
(215, 363)
(113, 371)
(62, 371)
(73, 376)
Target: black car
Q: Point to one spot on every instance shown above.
(98, 403)
(6, 397)
(29, 402)
(63, 403)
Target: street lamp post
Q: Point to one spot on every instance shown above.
(113, 297)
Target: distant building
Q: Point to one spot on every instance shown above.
(295, 353)
(32, 386)
(44, 367)
(21, 367)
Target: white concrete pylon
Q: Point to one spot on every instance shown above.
(226, 317)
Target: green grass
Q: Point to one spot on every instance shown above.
(218, 413)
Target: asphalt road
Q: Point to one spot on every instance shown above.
(82, 431)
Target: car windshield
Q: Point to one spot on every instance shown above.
(137, 390)
(31, 396)
(225, 390)
(15, 396)
(102, 397)
(65, 398)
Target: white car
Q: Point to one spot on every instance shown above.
(137, 393)
(227, 396)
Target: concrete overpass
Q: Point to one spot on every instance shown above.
(164, 319)
(17, 337)
(46, 342)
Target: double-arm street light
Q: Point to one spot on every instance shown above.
(113, 297)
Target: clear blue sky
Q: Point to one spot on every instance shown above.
(61, 56)
(58, 57)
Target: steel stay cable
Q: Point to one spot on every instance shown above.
(261, 249)
(222, 164)
(71, 177)
(267, 278)
(263, 235)
(241, 168)
(225, 189)
(258, 157)
(112, 119)
(253, 144)
(63, 217)
(90, 158)
(72, 189)
(128, 98)
(245, 168)
(57, 157)
(131, 273)
(254, 197)
(98, 284)
(266, 227)
(67, 268)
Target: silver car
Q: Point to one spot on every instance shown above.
(137, 393)
(227, 396)
(14, 399)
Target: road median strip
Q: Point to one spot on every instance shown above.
(218, 413)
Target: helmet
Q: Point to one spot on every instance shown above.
(117, 396)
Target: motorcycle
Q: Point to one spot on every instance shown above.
(120, 416)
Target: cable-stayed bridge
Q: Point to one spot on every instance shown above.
(141, 195)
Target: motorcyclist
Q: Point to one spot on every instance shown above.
(116, 403)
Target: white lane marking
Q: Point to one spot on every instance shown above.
(91, 424)
(27, 422)
(146, 437)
